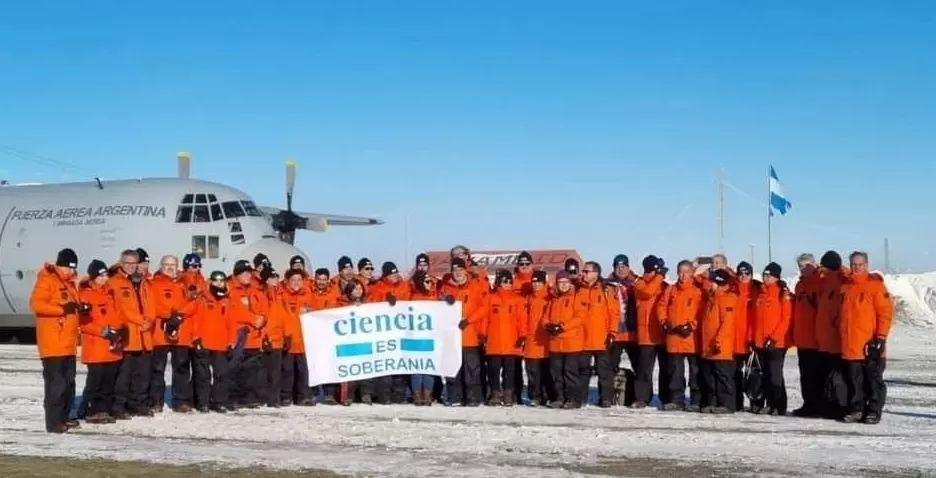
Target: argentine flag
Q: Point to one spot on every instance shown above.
(778, 201)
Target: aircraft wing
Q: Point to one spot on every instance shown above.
(320, 222)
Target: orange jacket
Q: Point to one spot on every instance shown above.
(537, 340)
(565, 310)
(522, 283)
(804, 313)
(135, 306)
(506, 322)
(194, 277)
(718, 325)
(682, 304)
(648, 289)
(829, 305)
(602, 314)
(867, 312)
(474, 298)
(277, 316)
(623, 289)
(56, 331)
(295, 302)
(743, 312)
(210, 321)
(324, 299)
(378, 292)
(415, 294)
(171, 295)
(773, 308)
(247, 303)
(94, 347)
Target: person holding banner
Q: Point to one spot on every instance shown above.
(297, 299)
(422, 287)
(389, 288)
(353, 294)
(505, 329)
(473, 294)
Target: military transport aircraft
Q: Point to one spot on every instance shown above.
(99, 219)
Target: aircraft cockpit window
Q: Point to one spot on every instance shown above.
(212, 198)
(216, 213)
(251, 208)
(188, 199)
(235, 226)
(233, 209)
(184, 214)
(201, 199)
(201, 214)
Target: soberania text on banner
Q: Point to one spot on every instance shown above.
(365, 341)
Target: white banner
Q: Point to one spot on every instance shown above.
(364, 341)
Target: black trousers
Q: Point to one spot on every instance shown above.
(58, 375)
(676, 366)
(271, 371)
(210, 378)
(518, 380)
(811, 380)
(466, 386)
(133, 382)
(775, 395)
(605, 368)
(618, 349)
(834, 390)
(643, 383)
(399, 385)
(540, 386)
(719, 383)
(380, 389)
(867, 391)
(498, 364)
(98, 395)
(246, 384)
(566, 372)
(740, 360)
(181, 375)
(294, 386)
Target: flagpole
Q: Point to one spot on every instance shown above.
(769, 217)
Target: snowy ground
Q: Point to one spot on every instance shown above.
(409, 441)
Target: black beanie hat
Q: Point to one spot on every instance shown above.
(773, 269)
(458, 262)
(260, 258)
(218, 275)
(503, 275)
(321, 271)
(344, 261)
(242, 266)
(388, 269)
(744, 266)
(524, 257)
(144, 256)
(67, 258)
(651, 263)
(620, 260)
(831, 260)
(571, 266)
(721, 276)
(96, 269)
(364, 262)
(297, 259)
(422, 258)
(539, 276)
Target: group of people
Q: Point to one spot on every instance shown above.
(235, 340)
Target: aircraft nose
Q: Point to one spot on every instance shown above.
(278, 251)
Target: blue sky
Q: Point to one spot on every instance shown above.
(594, 125)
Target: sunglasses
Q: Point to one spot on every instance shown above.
(194, 266)
(367, 269)
(524, 264)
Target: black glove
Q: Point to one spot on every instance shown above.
(267, 346)
(463, 324)
(482, 340)
(197, 345)
(449, 299)
(124, 333)
(84, 309)
(111, 335)
(667, 327)
(391, 299)
(874, 349)
(684, 330)
(171, 326)
(70, 307)
(551, 329)
(287, 343)
(609, 341)
(115, 337)
(520, 343)
(770, 343)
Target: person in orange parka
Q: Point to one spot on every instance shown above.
(56, 304)
(248, 315)
(389, 288)
(300, 297)
(101, 343)
(211, 376)
(804, 337)
(422, 287)
(622, 280)
(602, 314)
(172, 334)
(680, 311)
(770, 336)
(717, 344)
(648, 291)
(354, 293)
(867, 314)
(192, 277)
(271, 368)
(540, 387)
(565, 324)
(505, 329)
(134, 302)
(473, 294)
(746, 288)
(828, 336)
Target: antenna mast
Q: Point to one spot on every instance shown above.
(887, 269)
(721, 210)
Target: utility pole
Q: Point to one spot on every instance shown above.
(721, 210)
(887, 269)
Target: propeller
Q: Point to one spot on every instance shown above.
(286, 221)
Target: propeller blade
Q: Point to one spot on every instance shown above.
(290, 182)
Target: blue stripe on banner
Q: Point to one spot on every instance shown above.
(354, 350)
(779, 203)
(417, 345)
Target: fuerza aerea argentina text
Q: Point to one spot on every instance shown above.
(83, 212)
